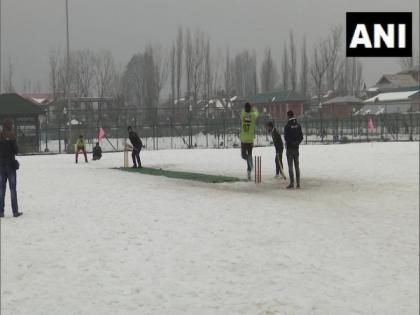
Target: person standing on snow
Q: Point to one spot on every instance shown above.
(278, 145)
(137, 145)
(293, 137)
(81, 146)
(8, 166)
(248, 122)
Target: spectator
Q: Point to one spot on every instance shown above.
(8, 166)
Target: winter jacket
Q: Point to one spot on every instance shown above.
(8, 149)
(135, 140)
(80, 144)
(97, 151)
(278, 143)
(293, 134)
(248, 122)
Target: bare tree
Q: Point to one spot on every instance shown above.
(285, 69)
(304, 69)
(172, 59)
(27, 86)
(359, 78)
(335, 66)
(269, 73)
(409, 63)
(325, 52)
(82, 71)
(198, 58)
(343, 78)
(350, 78)
(254, 73)
(10, 87)
(228, 74)
(161, 70)
(292, 67)
(54, 71)
(216, 82)
(244, 73)
(104, 71)
(189, 66)
(179, 56)
(208, 83)
(133, 80)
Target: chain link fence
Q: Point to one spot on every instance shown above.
(215, 128)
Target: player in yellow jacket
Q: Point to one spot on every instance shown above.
(248, 122)
(81, 146)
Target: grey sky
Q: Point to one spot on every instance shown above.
(31, 28)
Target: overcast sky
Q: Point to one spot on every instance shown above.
(31, 28)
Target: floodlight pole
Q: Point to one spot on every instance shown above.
(68, 77)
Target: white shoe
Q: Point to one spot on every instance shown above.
(277, 176)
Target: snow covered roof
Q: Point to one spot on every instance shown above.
(38, 100)
(376, 109)
(344, 100)
(398, 80)
(14, 104)
(392, 96)
(280, 96)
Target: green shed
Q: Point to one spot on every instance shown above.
(25, 115)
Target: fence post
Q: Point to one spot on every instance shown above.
(170, 132)
(382, 126)
(367, 130)
(59, 136)
(207, 126)
(411, 126)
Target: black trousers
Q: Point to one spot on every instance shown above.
(292, 155)
(246, 153)
(135, 155)
(279, 161)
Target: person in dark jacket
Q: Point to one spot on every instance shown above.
(278, 145)
(97, 152)
(293, 137)
(137, 145)
(8, 166)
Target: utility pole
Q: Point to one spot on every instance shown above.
(68, 77)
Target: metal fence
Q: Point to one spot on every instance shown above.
(219, 129)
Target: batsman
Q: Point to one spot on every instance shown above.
(137, 145)
(248, 121)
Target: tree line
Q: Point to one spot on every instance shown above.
(191, 70)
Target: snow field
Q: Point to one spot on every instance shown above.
(95, 240)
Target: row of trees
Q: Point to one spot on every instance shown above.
(191, 70)
(90, 73)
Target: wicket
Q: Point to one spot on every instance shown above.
(257, 169)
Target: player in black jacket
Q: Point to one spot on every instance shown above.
(137, 145)
(278, 145)
(293, 137)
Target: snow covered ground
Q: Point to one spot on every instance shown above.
(95, 240)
